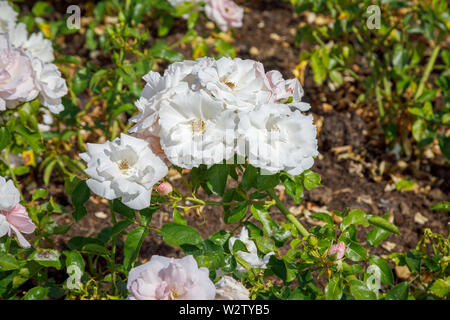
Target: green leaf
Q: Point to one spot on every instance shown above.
(178, 234)
(386, 273)
(165, 25)
(238, 245)
(8, 262)
(355, 251)
(413, 260)
(441, 206)
(249, 177)
(37, 293)
(262, 215)
(120, 226)
(441, 287)
(376, 236)
(217, 178)
(237, 213)
(96, 249)
(266, 182)
(133, 244)
(383, 224)
(281, 268)
(81, 80)
(183, 8)
(319, 69)
(33, 139)
(224, 48)
(293, 186)
(77, 242)
(333, 289)
(48, 171)
(147, 214)
(265, 245)
(360, 291)
(123, 210)
(399, 57)
(404, 185)
(91, 43)
(354, 217)
(99, 11)
(47, 258)
(192, 21)
(80, 195)
(336, 77)
(444, 145)
(399, 292)
(161, 50)
(322, 216)
(311, 179)
(40, 8)
(5, 138)
(73, 257)
(426, 96)
(178, 218)
(221, 237)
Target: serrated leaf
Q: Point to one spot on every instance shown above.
(333, 289)
(399, 292)
(383, 223)
(360, 291)
(387, 276)
(133, 245)
(217, 178)
(178, 234)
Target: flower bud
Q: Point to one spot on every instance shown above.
(339, 249)
(164, 188)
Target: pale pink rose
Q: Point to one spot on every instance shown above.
(154, 144)
(277, 85)
(225, 13)
(17, 220)
(339, 249)
(16, 75)
(170, 279)
(164, 188)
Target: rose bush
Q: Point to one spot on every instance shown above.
(237, 137)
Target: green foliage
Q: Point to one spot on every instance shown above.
(408, 82)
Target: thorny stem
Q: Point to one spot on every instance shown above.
(287, 213)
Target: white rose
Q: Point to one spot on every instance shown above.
(239, 83)
(8, 16)
(275, 138)
(228, 288)
(251, 257)
(125, 168)
(195, 129)
(51, 85)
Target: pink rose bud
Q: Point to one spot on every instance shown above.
(339, 249)
(164, 188)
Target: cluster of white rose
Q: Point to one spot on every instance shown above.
(205, 112)
(225, 13)
(26, 68)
